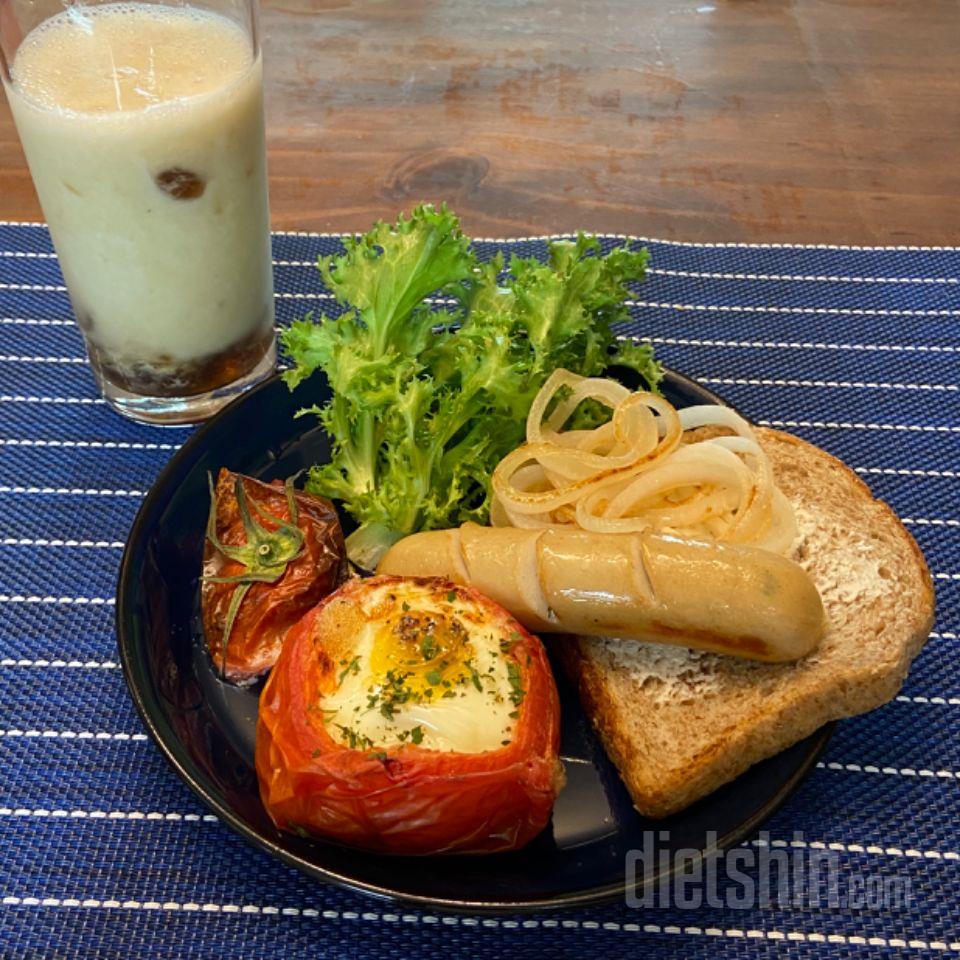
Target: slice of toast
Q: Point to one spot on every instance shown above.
(679, 723)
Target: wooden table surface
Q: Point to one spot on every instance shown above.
(833, 121)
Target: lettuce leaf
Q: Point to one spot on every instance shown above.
(436, 359)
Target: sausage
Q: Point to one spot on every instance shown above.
(737, 600)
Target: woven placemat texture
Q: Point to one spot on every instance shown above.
(104, 852)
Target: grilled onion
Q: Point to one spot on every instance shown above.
(646, 468)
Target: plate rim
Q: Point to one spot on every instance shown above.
(174, 752)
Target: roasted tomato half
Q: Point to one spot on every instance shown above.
(272, 552)
(410, 716)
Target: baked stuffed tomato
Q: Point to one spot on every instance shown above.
(410, 716)
(272, 552)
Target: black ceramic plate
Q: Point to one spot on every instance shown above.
(205, 728)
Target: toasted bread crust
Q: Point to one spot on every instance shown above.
(671, 753)
(913, 643)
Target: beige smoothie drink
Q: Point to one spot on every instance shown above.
(143, 128)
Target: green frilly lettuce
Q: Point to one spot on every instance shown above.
(436, 359)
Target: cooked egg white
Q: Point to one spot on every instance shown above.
(427, 669)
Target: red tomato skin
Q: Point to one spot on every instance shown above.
(269, 609)
(415, 801)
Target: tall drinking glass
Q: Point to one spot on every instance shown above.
(143, 128)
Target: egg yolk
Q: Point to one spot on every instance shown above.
(427, 670)
(426, 647)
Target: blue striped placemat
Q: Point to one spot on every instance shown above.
(106, 853)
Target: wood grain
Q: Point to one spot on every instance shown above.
(823, 121)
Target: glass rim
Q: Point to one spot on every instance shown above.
(244, 13)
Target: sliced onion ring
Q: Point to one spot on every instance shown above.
(644, 469)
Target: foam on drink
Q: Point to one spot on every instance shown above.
(143, 128)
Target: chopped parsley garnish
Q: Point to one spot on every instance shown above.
(416, 735)
(474, 676)
(352, 667)
(451, 596)
(391, 694)
(429, 647)
(513, 675)
(434, 679)
(354, 739)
